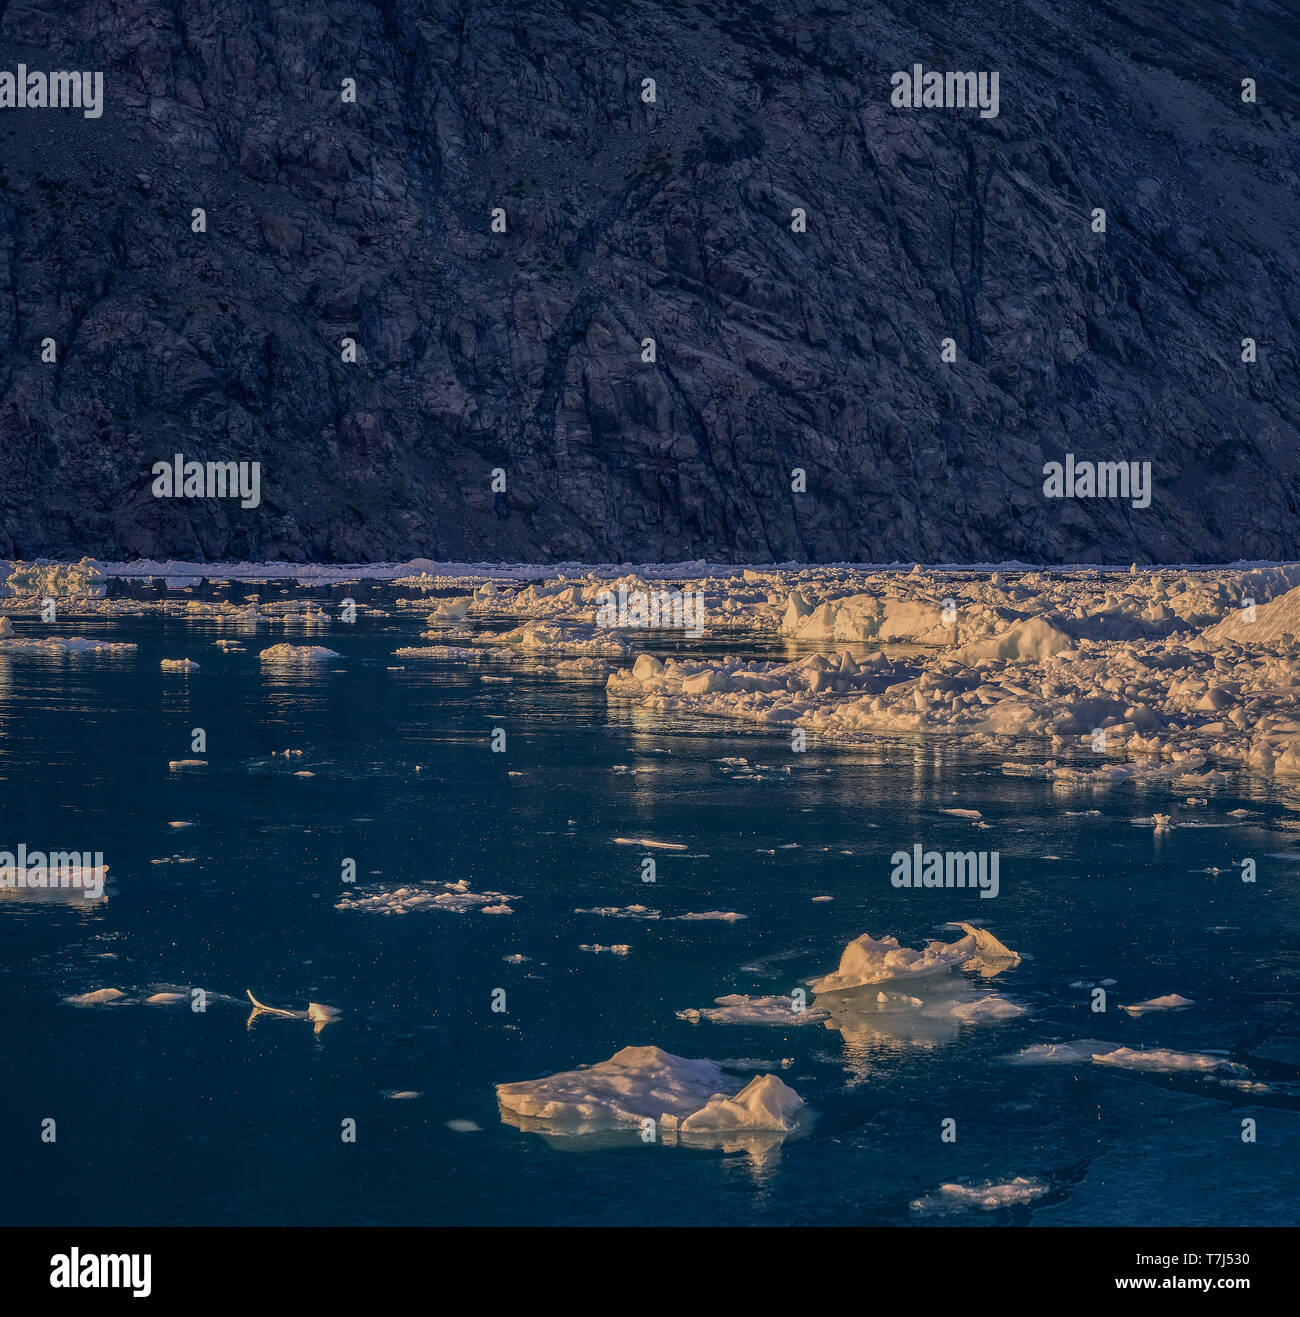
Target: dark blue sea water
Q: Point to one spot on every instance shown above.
(168, 1115)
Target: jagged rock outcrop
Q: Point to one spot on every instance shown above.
(671, 220)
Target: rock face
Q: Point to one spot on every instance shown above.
(628, 220)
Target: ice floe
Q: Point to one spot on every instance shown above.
(298, 654)
(640, 1084)
(319, 1014)
(987, 1195)
(1155, 1060)
(64, 645)
(455, 897)
(96, 997)
(867, 961)
(1171, 1002)
(736, 1009)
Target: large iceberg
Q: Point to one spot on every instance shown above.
(866, 961)
(640, 1084)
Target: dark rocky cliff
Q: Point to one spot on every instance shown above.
(625, 220)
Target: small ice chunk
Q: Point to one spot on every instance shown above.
(1171, 1002)
(298, 654)
(737, 1009)
(96, 998)
(987, 1195)
(1163, 1061)
(988, 1008)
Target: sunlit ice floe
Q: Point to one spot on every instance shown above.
(737, 1009)
(988, 1195)
(577, 640)
(157, 994)
(298, 654)
(1155, 1060)
(64, 645)
(319, 1014)
(54, 580)
(1171, 1002)
(650, 843)
(455, 897)
(1163, 1060)
(866, 961)
(651, 1095)
(647, 912)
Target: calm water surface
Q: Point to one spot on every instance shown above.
(167, 1115)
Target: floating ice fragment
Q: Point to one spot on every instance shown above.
(1163, 1061)
(455, 897)
(735, 1009)
(317, 1012)
(621, 912)
(647, 1083)
(988, 1008)
(96, 998)
(1071, 1053)
(298, 654)
(988, 1195)
(865, 961)
(1172, 1002)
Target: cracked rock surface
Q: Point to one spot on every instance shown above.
(671, 221)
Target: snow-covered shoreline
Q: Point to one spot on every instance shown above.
(325, 573)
